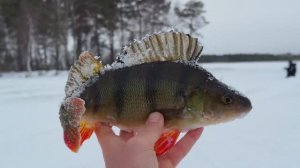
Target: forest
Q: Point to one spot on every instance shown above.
(50, 34)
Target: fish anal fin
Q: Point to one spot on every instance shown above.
(166, 141)
(86, 130)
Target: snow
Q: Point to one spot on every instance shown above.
(31, 135)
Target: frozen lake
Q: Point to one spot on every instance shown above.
(31, 135)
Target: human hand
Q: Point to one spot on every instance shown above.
(136, 150)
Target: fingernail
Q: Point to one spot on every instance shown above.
(154, 117)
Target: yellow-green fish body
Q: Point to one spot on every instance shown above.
(163, 77)
(181, 92)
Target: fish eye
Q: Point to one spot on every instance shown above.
(227, 99)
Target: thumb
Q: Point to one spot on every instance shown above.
(153, 128)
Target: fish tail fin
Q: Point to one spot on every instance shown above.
(83, 69)
(76, 130)
(166, 141)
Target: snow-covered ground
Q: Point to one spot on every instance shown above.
(31, 135)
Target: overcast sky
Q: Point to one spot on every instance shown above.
(252, 26)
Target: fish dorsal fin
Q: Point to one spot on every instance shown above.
(83, 69)
(166, 46)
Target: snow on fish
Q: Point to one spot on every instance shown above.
(159, 73)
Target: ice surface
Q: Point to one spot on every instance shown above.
(31, 135)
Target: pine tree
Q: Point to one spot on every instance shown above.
(151, 15)
(191, 16)
(37, 34)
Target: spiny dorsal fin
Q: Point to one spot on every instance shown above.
(84, 68)
(167, 46)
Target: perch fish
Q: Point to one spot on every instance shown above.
(158, 73)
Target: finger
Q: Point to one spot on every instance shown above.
(179, 151)
(105, 135)
(125, 135)
(153, 128)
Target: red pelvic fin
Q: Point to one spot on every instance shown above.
(166, 141)
(86, 130)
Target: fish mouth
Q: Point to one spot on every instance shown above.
(247, 105)
(244, 107)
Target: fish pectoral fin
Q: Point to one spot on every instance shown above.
(86, 130)
(166, 141)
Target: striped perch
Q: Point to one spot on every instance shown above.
(158, 73)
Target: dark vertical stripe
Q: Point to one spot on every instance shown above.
(120, 82)
(183, 75)
(92, 96)
(96, 97)
(151, 84)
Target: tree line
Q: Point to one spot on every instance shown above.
(249, 57)
(50, 34)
